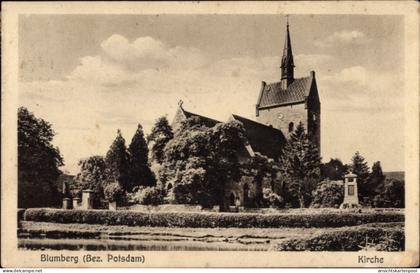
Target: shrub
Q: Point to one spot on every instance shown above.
(150, 196)
(208, 219)
(349, 240)
(272, 199)
(328, 194)
(114, 193)
(391, 196)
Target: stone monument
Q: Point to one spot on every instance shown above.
(67, 202)
(351, 199)
(87, 199)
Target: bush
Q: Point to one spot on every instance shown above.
(328, 194)
(349, 240)
(149, 196)
(208, 219)
(272, 199)
(114, 193)
(392, 195)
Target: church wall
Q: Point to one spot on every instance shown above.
(280, 117)
(237, 188)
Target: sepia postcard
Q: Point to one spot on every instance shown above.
(210, 134)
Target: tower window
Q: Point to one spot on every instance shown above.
(291, 127)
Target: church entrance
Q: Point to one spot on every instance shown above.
(232, 199)
(246, 195)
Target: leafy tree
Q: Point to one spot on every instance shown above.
(333, 170)
(160, 136)
(360, 167)
(117, 162)
(199, 161)
(327, 194)
(92, 176)
(140, 173)
(300, 166)
(38, 162)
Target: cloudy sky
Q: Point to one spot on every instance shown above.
(90, 75)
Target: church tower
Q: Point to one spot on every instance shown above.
(286, 103)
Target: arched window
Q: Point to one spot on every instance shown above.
(232, 199)
(169, 187)
(291, 127)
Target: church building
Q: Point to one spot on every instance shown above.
(280, 107)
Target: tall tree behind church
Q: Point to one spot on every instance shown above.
(117, 162)
(38, 162)
(160, 136)
(300, 166)
(140, 173)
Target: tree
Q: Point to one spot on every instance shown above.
(117, 162)
(38, 162)
(92, 176)
(160, 136)
(140, 173)
(333, 170)
(199, 161)
(360, 167)
(375, 181)
(300, 166)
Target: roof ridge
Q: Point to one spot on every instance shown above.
(195, 114)
(279, 82)
(256, 122)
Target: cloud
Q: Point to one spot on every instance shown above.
(343, 37)
(359, 89)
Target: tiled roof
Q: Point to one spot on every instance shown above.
(273, 95)
(209, 122)
(263, 139)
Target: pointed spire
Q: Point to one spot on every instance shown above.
(287, 64)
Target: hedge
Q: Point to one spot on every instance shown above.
(349, 240)
(207, 220)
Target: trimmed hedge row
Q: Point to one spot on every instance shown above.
(349, 240)
(207, 220)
